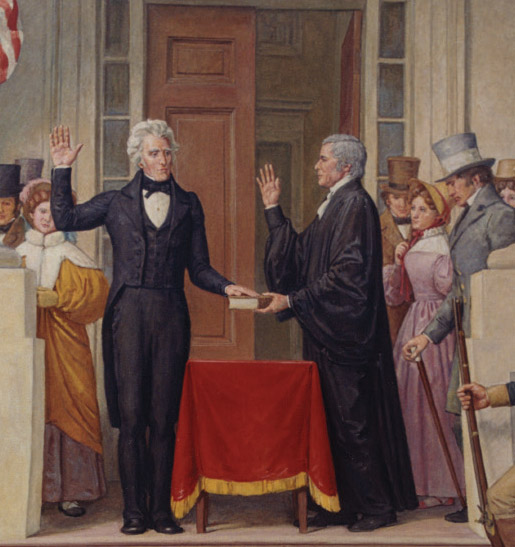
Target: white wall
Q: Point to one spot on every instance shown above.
(491, 76)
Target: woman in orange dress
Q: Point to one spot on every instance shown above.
(71, 292)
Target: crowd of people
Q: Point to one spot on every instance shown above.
(370, 294)
(425, 268)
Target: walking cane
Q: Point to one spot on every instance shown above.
(439, 430)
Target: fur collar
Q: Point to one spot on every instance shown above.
(45, 253)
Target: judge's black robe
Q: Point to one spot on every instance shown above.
(332, 273)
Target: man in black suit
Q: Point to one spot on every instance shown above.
(157, 231)
(329, 277)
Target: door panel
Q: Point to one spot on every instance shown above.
(200, 79)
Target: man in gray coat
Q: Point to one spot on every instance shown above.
(485, 224)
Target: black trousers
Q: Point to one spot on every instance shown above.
(151, 335)
(361, 473)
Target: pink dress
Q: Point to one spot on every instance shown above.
(429, 267)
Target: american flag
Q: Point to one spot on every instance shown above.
(11, 38)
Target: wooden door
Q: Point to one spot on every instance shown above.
(200, 79)
(351, 77)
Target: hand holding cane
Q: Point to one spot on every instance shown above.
(436, 419)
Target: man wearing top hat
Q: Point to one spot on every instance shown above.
(12, 180)
(505, 181)
(396, 223)
(12, 226)
(485, 224)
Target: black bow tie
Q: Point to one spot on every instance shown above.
(151, 186)
(400, 221)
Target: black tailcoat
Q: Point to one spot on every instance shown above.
(332, 273)
(121, 213)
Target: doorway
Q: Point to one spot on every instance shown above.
(242, 87)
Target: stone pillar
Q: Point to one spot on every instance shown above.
(491, 352)
(22, 418)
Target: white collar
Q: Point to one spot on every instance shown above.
(432, 232)
(339, 184)
(473, 197)
(42, 240)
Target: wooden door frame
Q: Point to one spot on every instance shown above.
(138, 34)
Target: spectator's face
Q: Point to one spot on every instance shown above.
(8, 210)
(156, 158)
(508, 196)
(398, 205)
(421, 215)
(42, 218)
(460, 189)
(325, 168)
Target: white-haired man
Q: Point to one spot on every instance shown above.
(157, 231)
(329, 277)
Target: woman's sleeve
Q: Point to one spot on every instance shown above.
(392, 285)
(442, 274)
(82, 292)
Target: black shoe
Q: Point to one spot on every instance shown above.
(372, 522)
(458, 516)
(167, 526)
(325, 518)
(134, 526)
(71, 509)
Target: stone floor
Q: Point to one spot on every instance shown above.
(259, 520)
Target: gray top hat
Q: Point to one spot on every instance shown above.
(458, 153)
(31, 168)
(9, 181)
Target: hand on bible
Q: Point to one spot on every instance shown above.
(270, 185)
(46, 298)
(239, 290)
(60, 149)
(279, 303)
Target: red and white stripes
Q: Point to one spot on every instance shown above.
(11, 38)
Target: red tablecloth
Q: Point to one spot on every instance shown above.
(249, 428)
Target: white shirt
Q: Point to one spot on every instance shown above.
(404, 230)
(156, 207)
(332, 191)
(472, 198)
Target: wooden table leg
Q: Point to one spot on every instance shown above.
(302, 503)
(202, 509)
(206, 509)
(295, 503)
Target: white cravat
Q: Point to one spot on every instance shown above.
(332, 191)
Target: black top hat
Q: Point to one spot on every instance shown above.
(9, 181)
(31, 168)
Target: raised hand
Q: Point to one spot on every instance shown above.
(60, 149)
(270, 185)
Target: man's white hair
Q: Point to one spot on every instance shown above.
(348, 149)
(157, 128)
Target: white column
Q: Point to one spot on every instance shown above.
(491, 351)
(22, 392)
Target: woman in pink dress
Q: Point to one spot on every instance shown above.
(422, 274)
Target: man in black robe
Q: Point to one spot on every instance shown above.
(329, 277)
